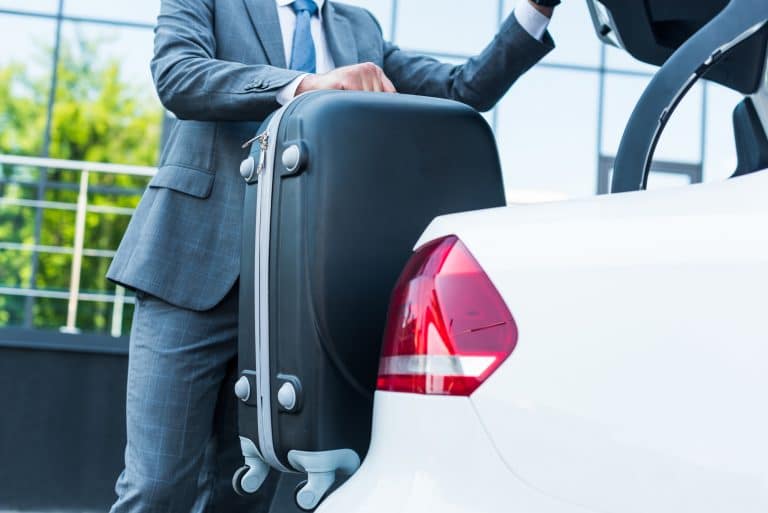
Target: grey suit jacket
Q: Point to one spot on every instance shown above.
(218, 66)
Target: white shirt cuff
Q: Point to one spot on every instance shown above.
(288, 92)
(531, 20)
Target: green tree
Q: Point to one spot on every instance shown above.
(98, 116)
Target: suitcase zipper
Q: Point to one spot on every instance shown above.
(265, 173)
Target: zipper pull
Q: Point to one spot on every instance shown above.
(258, 138)
(249, 142)
(247, 170)
(263, 140)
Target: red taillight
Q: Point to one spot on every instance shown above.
(448, 328)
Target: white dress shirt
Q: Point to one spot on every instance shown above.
(527, 16)
(322, 52)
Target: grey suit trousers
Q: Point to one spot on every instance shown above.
(183, 445)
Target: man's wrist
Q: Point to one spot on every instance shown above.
(305, 84)
(290, 91)
(532, 21)
(545, 10)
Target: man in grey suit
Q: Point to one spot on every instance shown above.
(221, 66)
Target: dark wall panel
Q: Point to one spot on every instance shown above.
(62, 427)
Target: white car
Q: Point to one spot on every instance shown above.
(601, 355)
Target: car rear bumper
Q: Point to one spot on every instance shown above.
(433, 454)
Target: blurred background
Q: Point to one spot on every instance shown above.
(75, 86)
(81, 128)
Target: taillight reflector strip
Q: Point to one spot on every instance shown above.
(448, 366)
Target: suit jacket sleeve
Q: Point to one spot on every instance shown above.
(193, 84)
(480, 82)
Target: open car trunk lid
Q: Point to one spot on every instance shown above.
(651, 31)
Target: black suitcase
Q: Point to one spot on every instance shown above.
(340, 187)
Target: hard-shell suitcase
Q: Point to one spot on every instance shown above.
(340, 187)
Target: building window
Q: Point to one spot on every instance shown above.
(76, 87)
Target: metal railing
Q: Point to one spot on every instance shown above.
(74, 295)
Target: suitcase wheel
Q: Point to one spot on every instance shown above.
(321, 469)
(247, 481)
(307, 499)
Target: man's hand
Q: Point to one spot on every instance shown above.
(546, 11)
(358, 77)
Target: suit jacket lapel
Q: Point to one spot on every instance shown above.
(266, 23)
(341, 40)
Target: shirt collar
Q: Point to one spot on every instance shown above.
(285, 3)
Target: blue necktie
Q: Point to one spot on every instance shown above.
(303, 57)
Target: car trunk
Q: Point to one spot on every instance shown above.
(652, 30)
(720, 40)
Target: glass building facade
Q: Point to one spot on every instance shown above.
(75, 86)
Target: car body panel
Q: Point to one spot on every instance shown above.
(638, 380)
(431, 454)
